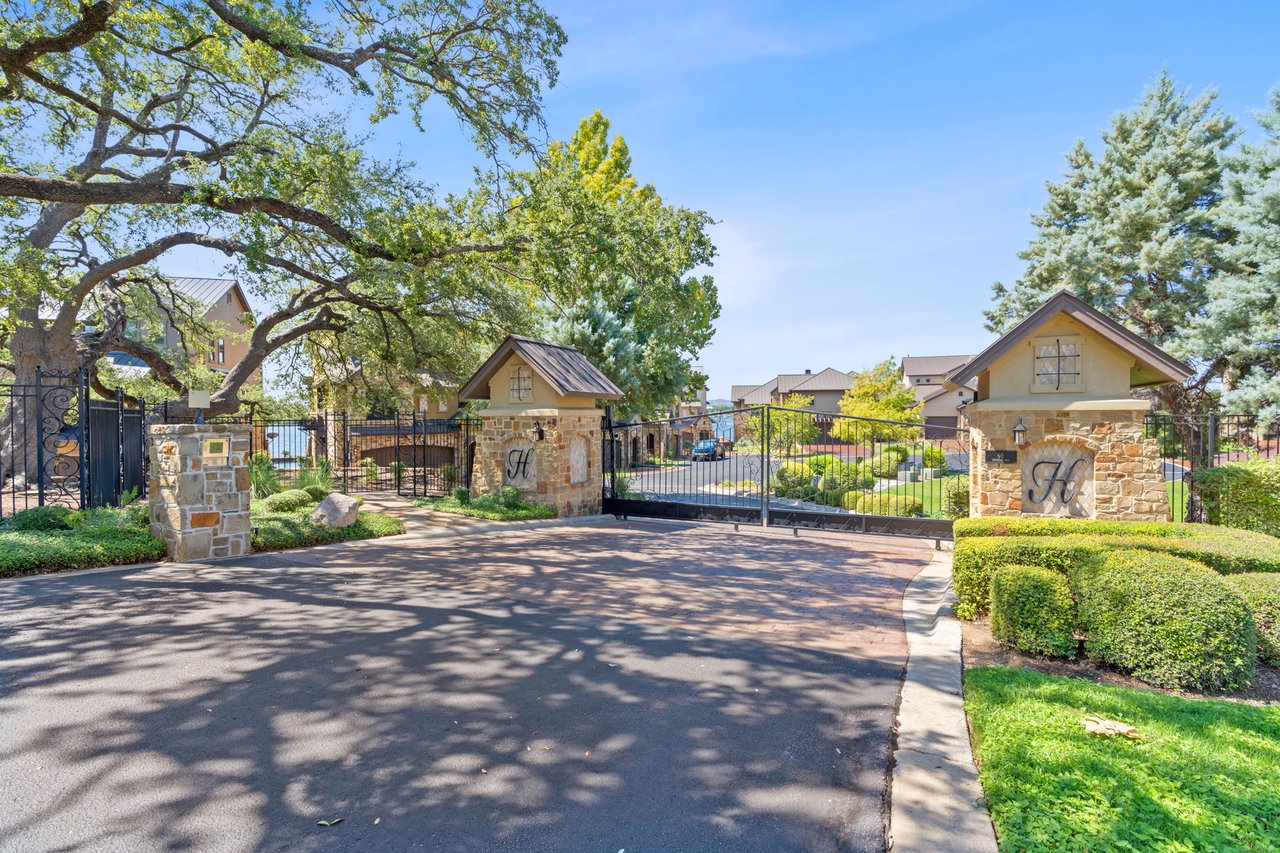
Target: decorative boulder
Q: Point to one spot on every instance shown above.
(336, 511)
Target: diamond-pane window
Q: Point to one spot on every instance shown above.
(1057, 364)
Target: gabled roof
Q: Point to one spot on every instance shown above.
(932, 365)
(207, 291)
(738, 392)
(1160, 367)
(566, 370)
(824, 380)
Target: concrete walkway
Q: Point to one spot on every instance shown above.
(936, 798)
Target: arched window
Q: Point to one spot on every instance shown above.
(521, 385)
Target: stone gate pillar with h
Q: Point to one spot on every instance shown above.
(541, 431)
(1055, 428)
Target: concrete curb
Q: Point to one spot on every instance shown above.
(936, 800)
(401, 538)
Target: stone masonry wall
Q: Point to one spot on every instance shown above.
(199, 510)
(563, 470)
(1128, 478)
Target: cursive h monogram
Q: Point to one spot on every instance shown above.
(518, 463)
(1057, 477)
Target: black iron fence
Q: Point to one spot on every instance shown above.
(779, 466)
(59, 446)
(1189, 443)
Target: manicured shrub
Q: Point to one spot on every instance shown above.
(885, 466)
(955, 498)
(1226, 550)
(934, 456)
(829, 497)
(1171, 622)
(795, 493)
(317, 493)
(1244, 495)
(264, 479)
(111, 521)
(41, 518)
(976, 560)
(32, 551)
(1032, 610)
(287, 501)
(879, 503)
(509, 497)
(846, 476)
(1262, 593)
(902, 451)
(462, 494)
(793, 474)
(819, 463)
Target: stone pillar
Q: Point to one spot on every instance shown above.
(1089, 463)
(200, 489)
(562, 470)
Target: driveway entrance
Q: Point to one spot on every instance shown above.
(631, 686)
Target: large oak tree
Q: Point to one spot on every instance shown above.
(130, 130)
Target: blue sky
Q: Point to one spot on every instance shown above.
(871, 166)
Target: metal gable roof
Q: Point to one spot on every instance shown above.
(932, 365)
(1166, 366)
(566, 370)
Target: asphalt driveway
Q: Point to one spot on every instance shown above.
(628, 686)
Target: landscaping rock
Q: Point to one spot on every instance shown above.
(337, 511)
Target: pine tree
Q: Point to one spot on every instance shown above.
(1139, 232)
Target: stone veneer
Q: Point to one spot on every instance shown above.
(1128, 480)
(199, 510)
(556, 475)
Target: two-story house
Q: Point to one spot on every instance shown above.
(926, 375)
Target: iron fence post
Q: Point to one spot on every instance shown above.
(144, 485)
(766, 462)
(39, 431)
(346, 451)
(119, 483)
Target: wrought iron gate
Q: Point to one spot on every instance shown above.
(785, 467)
(58, 446)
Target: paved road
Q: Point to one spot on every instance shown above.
(629, 686)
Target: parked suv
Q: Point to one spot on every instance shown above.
(708, 449)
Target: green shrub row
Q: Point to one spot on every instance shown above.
(1244, 495)
(1262, 593)
(288, 500)
(1170, 621)
(27, 551)
(1032, 610)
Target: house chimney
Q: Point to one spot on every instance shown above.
(807, 370)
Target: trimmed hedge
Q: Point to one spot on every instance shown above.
(287, 501)
(1032, 610)
(1262, 593)
(317, 492)
(792, 475)
(846, 476)
(820, 462)
(1222, 548)
(933, 456)
(976, 560)
(1244, 495)
(1171, 622)
(885, 466)
(955, 498)
(40, 518)
(879, 503)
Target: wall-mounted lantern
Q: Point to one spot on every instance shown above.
(537, 433)
(1020, 433)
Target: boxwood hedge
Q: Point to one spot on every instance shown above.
(1171, 622)
(1262, 593)
(976, 559)
(1032, 610)
(880, 503)
(29, 551)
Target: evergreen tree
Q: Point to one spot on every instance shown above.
(1139, 232)
(1243, 317)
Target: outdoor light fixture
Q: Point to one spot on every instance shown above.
(1020, 432)
(538, 432)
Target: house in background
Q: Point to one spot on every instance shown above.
(927, 375)
(826, 387)
(226, 309)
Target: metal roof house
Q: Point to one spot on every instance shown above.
(524, 371)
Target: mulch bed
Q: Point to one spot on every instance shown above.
(981, 649)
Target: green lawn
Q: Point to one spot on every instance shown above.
(1206, 778)
(276, 531)
(928, 491)
(489, 507)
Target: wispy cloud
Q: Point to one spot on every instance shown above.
(668, 37)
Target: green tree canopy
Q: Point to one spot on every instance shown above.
(879, 393)
(129, 131)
